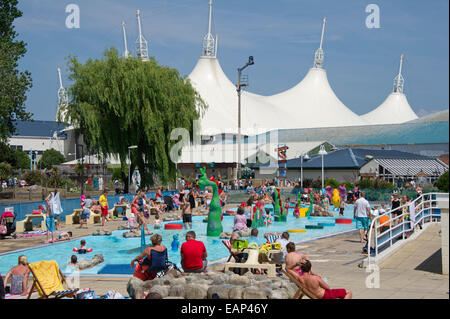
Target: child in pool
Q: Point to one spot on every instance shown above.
(82, 249)
(287, 204)
(131, 221)
(157, 224)
(175, 243)
(296, 211)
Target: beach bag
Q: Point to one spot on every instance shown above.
(3, 229)
(240, 244)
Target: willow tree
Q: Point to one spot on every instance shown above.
(117, 102)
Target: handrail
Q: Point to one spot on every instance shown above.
(398, 224)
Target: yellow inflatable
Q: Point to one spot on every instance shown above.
(336, 199)
(303, 211)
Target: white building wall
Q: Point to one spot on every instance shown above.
(39, 144)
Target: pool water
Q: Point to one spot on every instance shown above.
(117, 250)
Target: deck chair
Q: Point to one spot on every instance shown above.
(302, 291)
(48, 280)
(272, 237)
(228, 245)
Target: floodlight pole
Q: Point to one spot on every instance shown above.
(239, 85)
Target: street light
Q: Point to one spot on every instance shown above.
(239, 85)
(129, 167)
(322, 152)
(306, 157)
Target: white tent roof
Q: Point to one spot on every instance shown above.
(257, 115)
(395, 109)
(313, 103)
(222, 153)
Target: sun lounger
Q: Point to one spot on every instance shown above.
(302, 291)
(48, 280)
(252, 263)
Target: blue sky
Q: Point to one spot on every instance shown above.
(282, 36)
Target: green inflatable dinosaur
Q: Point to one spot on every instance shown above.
(311, 207)
(214, 227)
(258, 220)
(278, 214)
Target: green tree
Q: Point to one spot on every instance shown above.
(117, 102)
(13, 83)
(5, 170)
(442, 182)
(17, 158)
(51, 157)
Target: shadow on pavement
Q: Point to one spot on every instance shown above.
(432, 264)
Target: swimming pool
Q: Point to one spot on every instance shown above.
(117, 250)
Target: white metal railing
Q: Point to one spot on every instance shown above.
(384, 235)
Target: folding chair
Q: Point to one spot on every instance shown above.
(48, 280)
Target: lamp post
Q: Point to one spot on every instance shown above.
(239, 85)
(322, 152)
(306, 157)
(129, 167)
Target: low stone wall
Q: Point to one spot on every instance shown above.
(204, 285)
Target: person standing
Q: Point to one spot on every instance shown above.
(104, 207)
(186, 213)
(362, 214)
(55, 203)
(395, 204)
(49, 220)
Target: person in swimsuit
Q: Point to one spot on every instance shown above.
(19, 277)
(82, 249)
(151, 260)
(318, 287)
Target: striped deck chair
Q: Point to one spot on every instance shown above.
(302, 291)
(228, 245)
(272, 237)
(48, 280)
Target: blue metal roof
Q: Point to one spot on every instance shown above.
(348, 158)
(39, 128)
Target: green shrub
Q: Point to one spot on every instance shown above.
(5, 170)
(349, 185)
(442, 182)
(34, 178)
(332, 182)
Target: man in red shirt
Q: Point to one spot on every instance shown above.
(193, 254)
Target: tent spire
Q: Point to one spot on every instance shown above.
(318, 56)
(141, 43)
(126, 53)
(209, 43)
(63, 99)
(398, 80)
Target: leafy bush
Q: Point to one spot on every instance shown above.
(5, 170)
(51, 157)
(316, 184)
(34, 178)
(442, 182)
(349, 185)
(332, 182)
